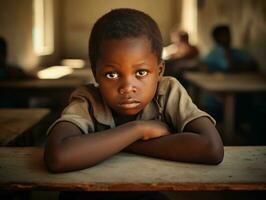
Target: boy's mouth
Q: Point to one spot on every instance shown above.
(129, 104)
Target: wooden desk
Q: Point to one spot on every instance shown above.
(58, 90)
(13, 122)
(243, 168)
(41, 84)
(228, 85)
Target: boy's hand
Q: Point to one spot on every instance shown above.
(153, 129)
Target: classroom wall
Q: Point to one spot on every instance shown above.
(78, 17)
(16, 23)
(75, 18)
(247, 19)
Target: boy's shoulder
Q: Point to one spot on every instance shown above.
(89, 92)
(167, 85)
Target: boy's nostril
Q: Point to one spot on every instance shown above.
(122, 91)
(127, 90)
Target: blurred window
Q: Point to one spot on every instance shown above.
(43, 27)
(189, 19)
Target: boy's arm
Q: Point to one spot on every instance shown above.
(69, 149)
(200, 143)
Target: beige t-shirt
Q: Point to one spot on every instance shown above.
(171, 104)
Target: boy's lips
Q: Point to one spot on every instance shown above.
(129, 104)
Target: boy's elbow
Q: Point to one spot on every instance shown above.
(215, 155)
(53, 162)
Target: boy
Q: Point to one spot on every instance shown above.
(134, 108)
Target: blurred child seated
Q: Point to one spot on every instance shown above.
(180, 56)
(225, 58)
(8, 71)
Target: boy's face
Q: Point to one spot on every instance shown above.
(127, 73)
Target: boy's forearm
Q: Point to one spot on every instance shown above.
(81, 151)
(184, 147)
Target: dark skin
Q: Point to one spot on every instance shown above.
(125, 70)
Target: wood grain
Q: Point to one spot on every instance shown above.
(243, 168)
(13, 122)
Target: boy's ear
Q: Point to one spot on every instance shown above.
(161, 69)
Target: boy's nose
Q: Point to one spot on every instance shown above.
(127, 88)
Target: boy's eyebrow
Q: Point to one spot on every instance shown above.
(144, 63)
(141, 63)
(111, 65)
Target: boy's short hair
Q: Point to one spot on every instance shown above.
(120, 24)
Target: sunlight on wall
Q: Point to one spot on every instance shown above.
(54, 72)
(73, 63)
(189, 19)
(43, 31)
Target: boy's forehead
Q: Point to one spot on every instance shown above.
(131, 52)
(139, 44)
(127, 41)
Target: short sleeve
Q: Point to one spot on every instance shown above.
(77, 112)
(179, 108)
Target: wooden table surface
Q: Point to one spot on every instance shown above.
(14, 122)
(243, 168)
(57, 90)
(41, 84)
(226, 86)
(220, 82)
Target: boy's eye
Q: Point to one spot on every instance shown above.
(112, 75)
(141, 73)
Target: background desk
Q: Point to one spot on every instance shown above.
(57, 90)
(227, 85)
(243, 168)
(40, 85)
(13, 122)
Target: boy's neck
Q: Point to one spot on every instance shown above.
(122, 119)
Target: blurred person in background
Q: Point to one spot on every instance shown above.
(9, 71)
(180, 55)
(225, 58)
